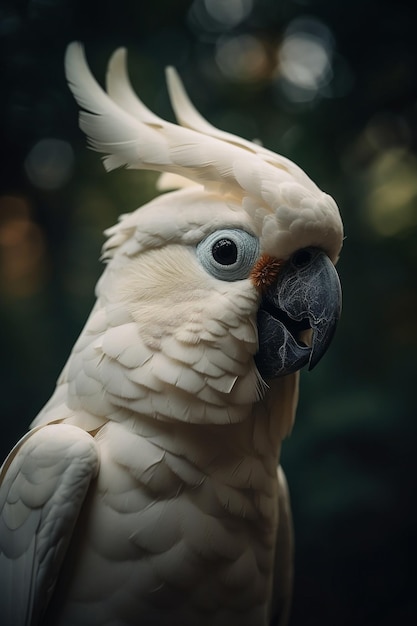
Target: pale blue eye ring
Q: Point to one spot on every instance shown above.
(228, 254)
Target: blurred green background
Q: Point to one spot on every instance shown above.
(331, 85)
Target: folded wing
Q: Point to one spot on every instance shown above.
(44, 482)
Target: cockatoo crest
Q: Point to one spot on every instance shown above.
(291, 211)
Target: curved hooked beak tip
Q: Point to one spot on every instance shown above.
(298, 314)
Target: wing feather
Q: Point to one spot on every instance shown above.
(43, 485)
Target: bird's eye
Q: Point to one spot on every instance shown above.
(228, 254)
(224, 251)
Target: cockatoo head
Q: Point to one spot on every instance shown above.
(229, 279)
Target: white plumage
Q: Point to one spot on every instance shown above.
(156, 458)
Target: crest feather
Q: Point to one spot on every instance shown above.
(121, 92)
(117, 123)
(188, 117)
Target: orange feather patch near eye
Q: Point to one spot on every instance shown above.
(265, 271)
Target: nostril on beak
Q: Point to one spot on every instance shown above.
(302, 258)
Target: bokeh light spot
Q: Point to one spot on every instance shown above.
(49, 163)
(229, 13)
(305, 59)
(241, 58)
(392, 197)
(22, 248)
(211, 18)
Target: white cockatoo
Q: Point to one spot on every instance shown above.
(146, 491)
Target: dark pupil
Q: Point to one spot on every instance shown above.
(225, 252)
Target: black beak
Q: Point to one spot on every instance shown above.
(306, 295)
